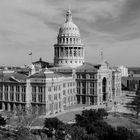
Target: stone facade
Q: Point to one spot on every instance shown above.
(44, 91)
(96, 84)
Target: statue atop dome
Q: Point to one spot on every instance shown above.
(68, 15)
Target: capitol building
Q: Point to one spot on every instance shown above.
(69, 81)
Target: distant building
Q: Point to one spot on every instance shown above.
(131, 82)
(124, 71)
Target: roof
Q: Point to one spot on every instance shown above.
(12, 77)
(88, 67)
(48, 74)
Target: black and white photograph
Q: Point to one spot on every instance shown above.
(69, 69)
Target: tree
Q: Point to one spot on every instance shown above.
(53, 123)
(135, 103)
(54, 127)
(77, 133)
(90, 116)
(2, 121)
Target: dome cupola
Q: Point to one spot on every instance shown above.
(69, 50)
(68, 28)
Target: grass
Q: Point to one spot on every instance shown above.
(126, 120)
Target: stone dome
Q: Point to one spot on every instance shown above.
(69, 28)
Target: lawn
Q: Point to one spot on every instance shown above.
(122, 119)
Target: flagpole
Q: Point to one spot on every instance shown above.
(31, 57)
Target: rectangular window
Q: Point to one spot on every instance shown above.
(12, 88)
(49, 89)
(11, 96)
(6, 96)
(64, 92)
(6, 88)
(23, 89)
(1, 87)
(64, 85)
(49, 97)
(17, 97)
(23, 97)
(34, 89)
(34, 96)
(40, 97)
(1, 96)
(17, 88)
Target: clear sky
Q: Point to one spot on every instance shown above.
(32, 26)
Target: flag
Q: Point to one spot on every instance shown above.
(30, 53)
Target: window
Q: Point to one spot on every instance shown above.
(6, 88)
(40, 97)
(40, 89)
(17, 88)
(64, 85)
(92, 76)
(34, 96)
(59, 95)
(23, 97)
(91, 85)
(12, 88)
(64, 92)
(49, 89)
(1, 87)
(6, 96)
(49, 97)
(1, 95)
(12, 96)
(55, 96)
(17, 97)
(34, 89)
(23, 89)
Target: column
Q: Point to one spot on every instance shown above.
(14, 93)
(36, 93)
(80, 99)
(8, 92)
(72, 50)
(3, 93)
(20, 92)
(3, 106)
(9, 107)
(59, 52)
(14, 107)
(68, 51)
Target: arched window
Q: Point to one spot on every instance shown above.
(104, 86)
